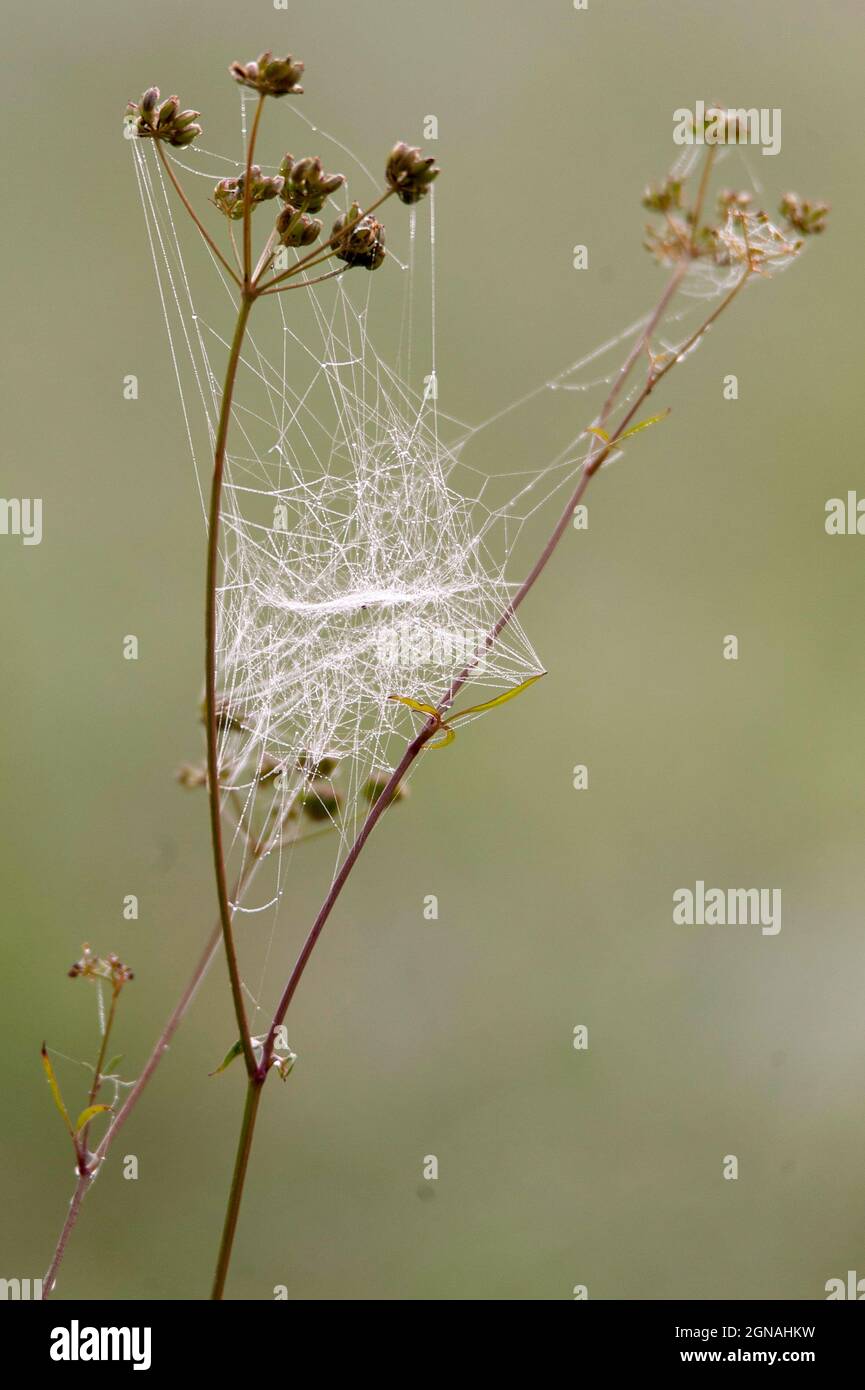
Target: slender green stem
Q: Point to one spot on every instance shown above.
(100, 1060)
(211, 606)
(241, 1162)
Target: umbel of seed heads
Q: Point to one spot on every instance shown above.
(92, 967)
(163, 121)
(677, 237)
(357, 239)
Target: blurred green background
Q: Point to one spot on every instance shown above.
(454, 1037)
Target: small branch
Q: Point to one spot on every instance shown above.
(160, 1048)
(247, 193)
(186, 203)
(320, 253)
(305, 284)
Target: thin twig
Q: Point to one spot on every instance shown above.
(189, 208)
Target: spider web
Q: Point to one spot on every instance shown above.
(362, 554)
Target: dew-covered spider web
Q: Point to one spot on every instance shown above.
(365, 536)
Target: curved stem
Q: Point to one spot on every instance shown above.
(189, 208)
(213, 787)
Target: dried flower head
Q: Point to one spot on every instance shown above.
(271, 77)
(807, 218)
(164, 121)
(359, 239)
(306, 184)
(228, 195)
(294, 228)
(91, 967)
(663, 197)
(751, 240)
(409, 173)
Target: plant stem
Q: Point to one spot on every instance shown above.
(100, 1060)
(211, 606)
(247, 193)
(244, 1146)
(186, 203)
(259, 853)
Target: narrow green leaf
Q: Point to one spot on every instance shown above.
(55, 1089)
(643, 425)
(229, 1057)
(87, 1115)
(113, 1064)
(499, 700)
(413, 704)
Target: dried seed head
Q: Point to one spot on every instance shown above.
(272, 77)
(228, 195)
(91, 967)
(166, 122)
(409, 173)
(807, 218)
(663, 197)
(731, 201)
(359, 241)
(306, 184)
(294, 228)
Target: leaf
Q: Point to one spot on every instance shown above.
(113, 1064)
(234, 1051)
(87, 1115)
(643, 425)
(635, 429)
(55, 1089)
(413, 704)
(499, 699)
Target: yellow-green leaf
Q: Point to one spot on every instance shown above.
(499, 699)
(55, 1089)
(643, 425)
(87, 1115)
(413, 704)
(598, 433)
(234, 1051)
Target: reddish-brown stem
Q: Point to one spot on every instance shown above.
(189, 208)
(320, 253)
(247, 194)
